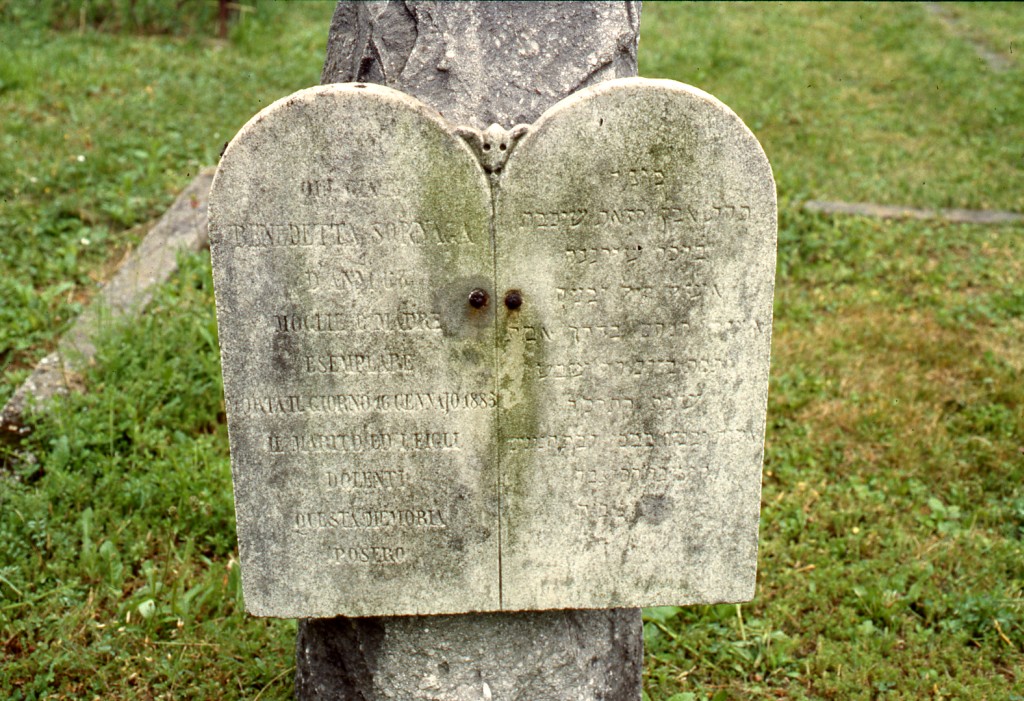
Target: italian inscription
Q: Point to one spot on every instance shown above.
(359, 448)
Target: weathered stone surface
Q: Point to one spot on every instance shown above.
(541, 656)
(388, 400)
(637, 221)
(481, 63)
(348, 228)
(182, 227)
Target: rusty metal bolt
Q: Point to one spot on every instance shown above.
(513, 299)
(478, 299)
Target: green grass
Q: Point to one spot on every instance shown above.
(118, 564)
(100, 131)
(990, 24)
(854, 101)
(892, 538)
(892, 530)
(180, 18)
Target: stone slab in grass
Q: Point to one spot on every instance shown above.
(182, 227)
(883, 211)
(995, 60)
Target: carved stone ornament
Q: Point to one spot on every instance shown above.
(494, 371)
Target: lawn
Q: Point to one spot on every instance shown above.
(892, 529)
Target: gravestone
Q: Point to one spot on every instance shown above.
(494, 371)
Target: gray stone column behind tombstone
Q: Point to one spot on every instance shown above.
(478, 63)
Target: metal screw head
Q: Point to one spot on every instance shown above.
(513, 299)
(478, 299)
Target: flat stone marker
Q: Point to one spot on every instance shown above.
(536, 383)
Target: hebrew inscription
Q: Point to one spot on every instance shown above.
(639, 224)
(456, 387)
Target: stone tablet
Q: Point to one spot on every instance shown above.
(347, 228)
(638, 222)
(437, 409)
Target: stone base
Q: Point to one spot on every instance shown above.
(533, 656)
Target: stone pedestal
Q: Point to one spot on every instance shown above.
(534, 655)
